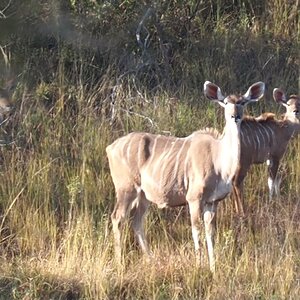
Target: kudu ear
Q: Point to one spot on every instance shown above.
(213, 92)
(255, 92)
(279, 96)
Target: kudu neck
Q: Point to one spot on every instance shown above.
(230, 149)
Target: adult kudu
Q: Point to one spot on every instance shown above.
(196, 170)
(265, 139)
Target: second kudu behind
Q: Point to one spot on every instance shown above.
(265, 139)
(196, 170)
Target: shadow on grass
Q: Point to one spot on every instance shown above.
(39, 288)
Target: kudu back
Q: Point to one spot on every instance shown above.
(196, 170)
(265, 139)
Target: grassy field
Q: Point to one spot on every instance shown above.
(56, 193)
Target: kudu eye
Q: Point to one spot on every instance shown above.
(296, 111)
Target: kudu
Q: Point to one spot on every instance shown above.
(265, 139)
(5, 100)
(196, 170)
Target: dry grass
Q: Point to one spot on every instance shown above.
(56, 240)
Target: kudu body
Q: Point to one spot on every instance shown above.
(196, 170)
(265, 139)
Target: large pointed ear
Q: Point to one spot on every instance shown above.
(279, 96)
(255, 92)
(213, 92)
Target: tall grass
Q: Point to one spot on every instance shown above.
(56, 193)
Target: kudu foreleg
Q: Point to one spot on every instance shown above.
(124, 200)
(194, 207)
(210, 217)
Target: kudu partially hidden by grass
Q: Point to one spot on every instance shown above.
(265, 139)
(196, 170)
(5, 100)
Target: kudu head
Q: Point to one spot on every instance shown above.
(234, 105)
(5, 100)
(292, 104)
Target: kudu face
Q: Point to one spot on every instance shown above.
(234, 105)
(292, 104)
(5, 103)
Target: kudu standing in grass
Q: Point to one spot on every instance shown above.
(265, 139)
(196, 170)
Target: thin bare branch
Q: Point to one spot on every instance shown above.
(2, 11)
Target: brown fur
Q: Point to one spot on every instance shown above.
(264, 138)
(169, 171)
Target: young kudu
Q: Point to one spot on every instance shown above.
(196, 170)
(265, 139)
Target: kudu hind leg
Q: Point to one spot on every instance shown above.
(124, 200)
(138, 214)
(238, 193)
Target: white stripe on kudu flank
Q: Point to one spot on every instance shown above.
(128, 150)
(243, 138)
(257, 138)
(269, 128)
(139, 161)
(185, 170)
(160, 159)
(261, 138)
(153, 151)
(167, 159)
(250, 135)
(177, 159)
(267, 135)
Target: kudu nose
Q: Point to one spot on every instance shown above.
(236, 118)
(6, 109)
